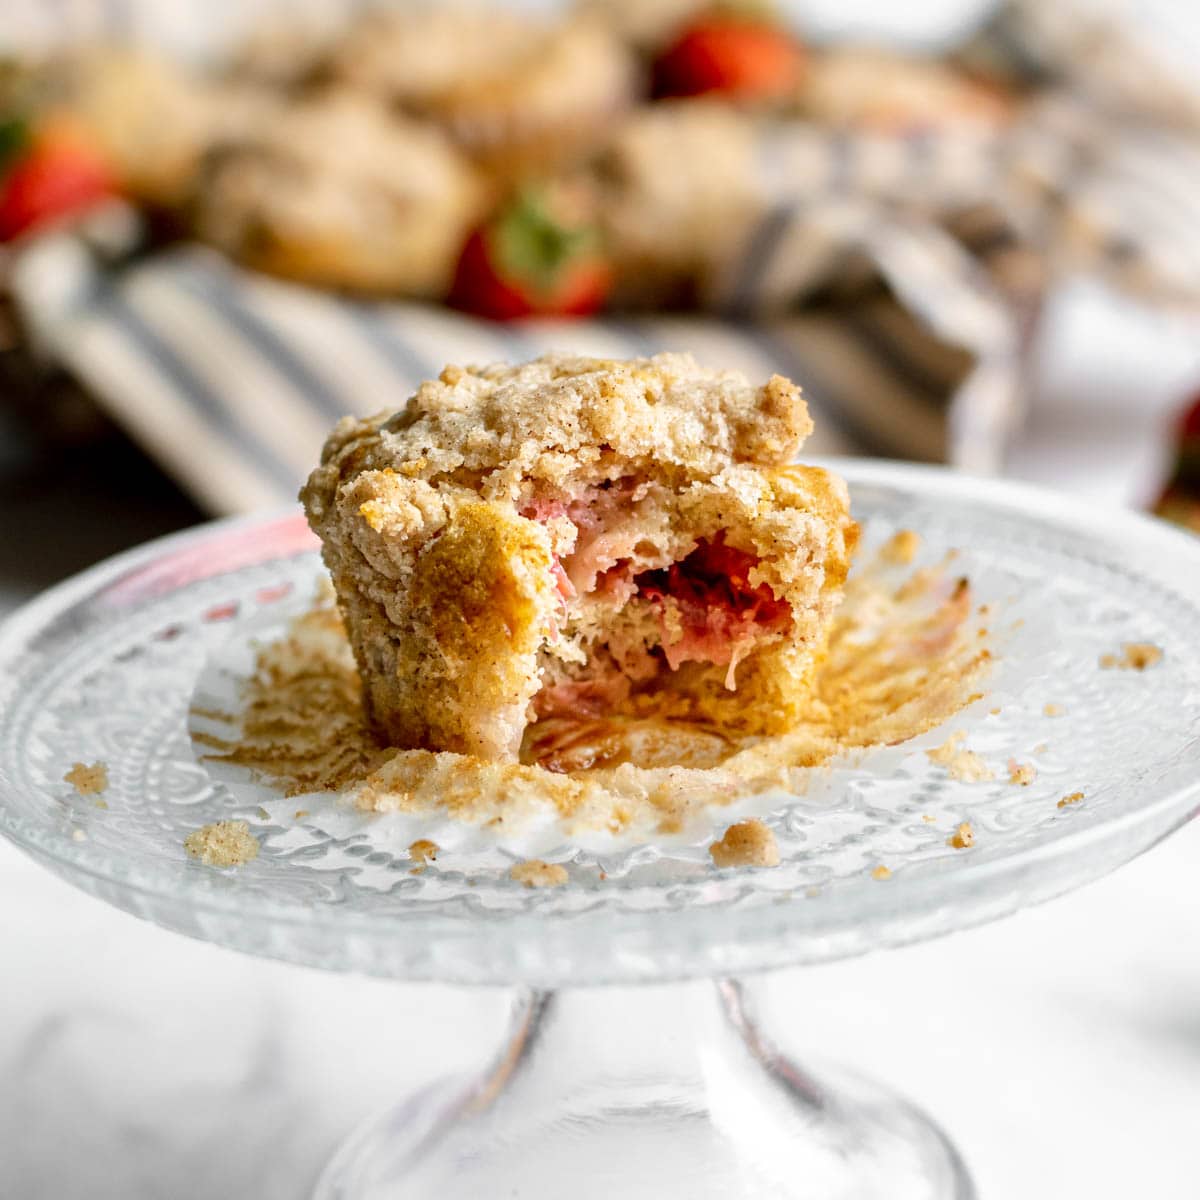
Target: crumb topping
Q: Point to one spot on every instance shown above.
(746, 844)
(222, 844)
(88, 780)
(534, 873)
(550, 418)
(1134, 656)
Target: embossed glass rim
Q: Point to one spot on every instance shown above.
(673, 942)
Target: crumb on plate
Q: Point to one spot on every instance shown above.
(1134, 656)
(1022, 774)
(746, 844)
(1070, 798)
(423, 851)
(964, 765)
(963, 837)
(538, 874)
(88, 780)
(1053, 710)
(901, 548)
(301, 813)
(222, 844)
(881, 872)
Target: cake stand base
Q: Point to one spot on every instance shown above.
(649, 1093)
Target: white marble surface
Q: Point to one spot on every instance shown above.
(1060, 1048)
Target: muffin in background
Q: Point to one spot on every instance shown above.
(154, 120)
(341, 193)
(674, 191)
(865, 87)
(514, 92)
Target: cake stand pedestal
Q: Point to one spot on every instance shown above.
(645, 1093)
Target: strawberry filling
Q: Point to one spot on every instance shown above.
(708, 608)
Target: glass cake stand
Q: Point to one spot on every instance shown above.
(658, 1083)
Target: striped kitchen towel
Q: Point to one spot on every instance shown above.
(231, 379)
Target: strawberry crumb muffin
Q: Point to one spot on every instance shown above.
(338, 192)
(577, 537)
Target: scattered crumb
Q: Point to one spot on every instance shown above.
(812, 892)
(603, 876)
(901, 548)
(538, 874)
(77, 835)
(87, 781)
(100, 804)
(1070, 798)
(424, 851)
(963, 837)
(1021, 773)
(994, 711)
(301, 813)
(1041, 748)
(881, 872)
(1134, 656)
(964, 765)
(222, 844)
(929, 820)
(262, 813)
(1053, 710)
(746, 844)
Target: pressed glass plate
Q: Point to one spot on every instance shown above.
(108, 666)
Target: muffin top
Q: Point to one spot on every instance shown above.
(561, 418)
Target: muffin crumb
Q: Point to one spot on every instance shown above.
(88, 780)
(1053, 710)
(423, 851)
(964, 765)
(901, 548)
(963, 837)
(881, 872)
(1134, 656)
(1022, 774)
(538, 874)
(746, 844)
(222, 844)
(301, 813)
(1070, 798)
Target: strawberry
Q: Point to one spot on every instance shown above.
(733, 56)
(526, 262)
(1180, 502)
(46, 173)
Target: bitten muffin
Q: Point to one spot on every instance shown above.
(512, 91)
(338, 192)
(577, 537)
